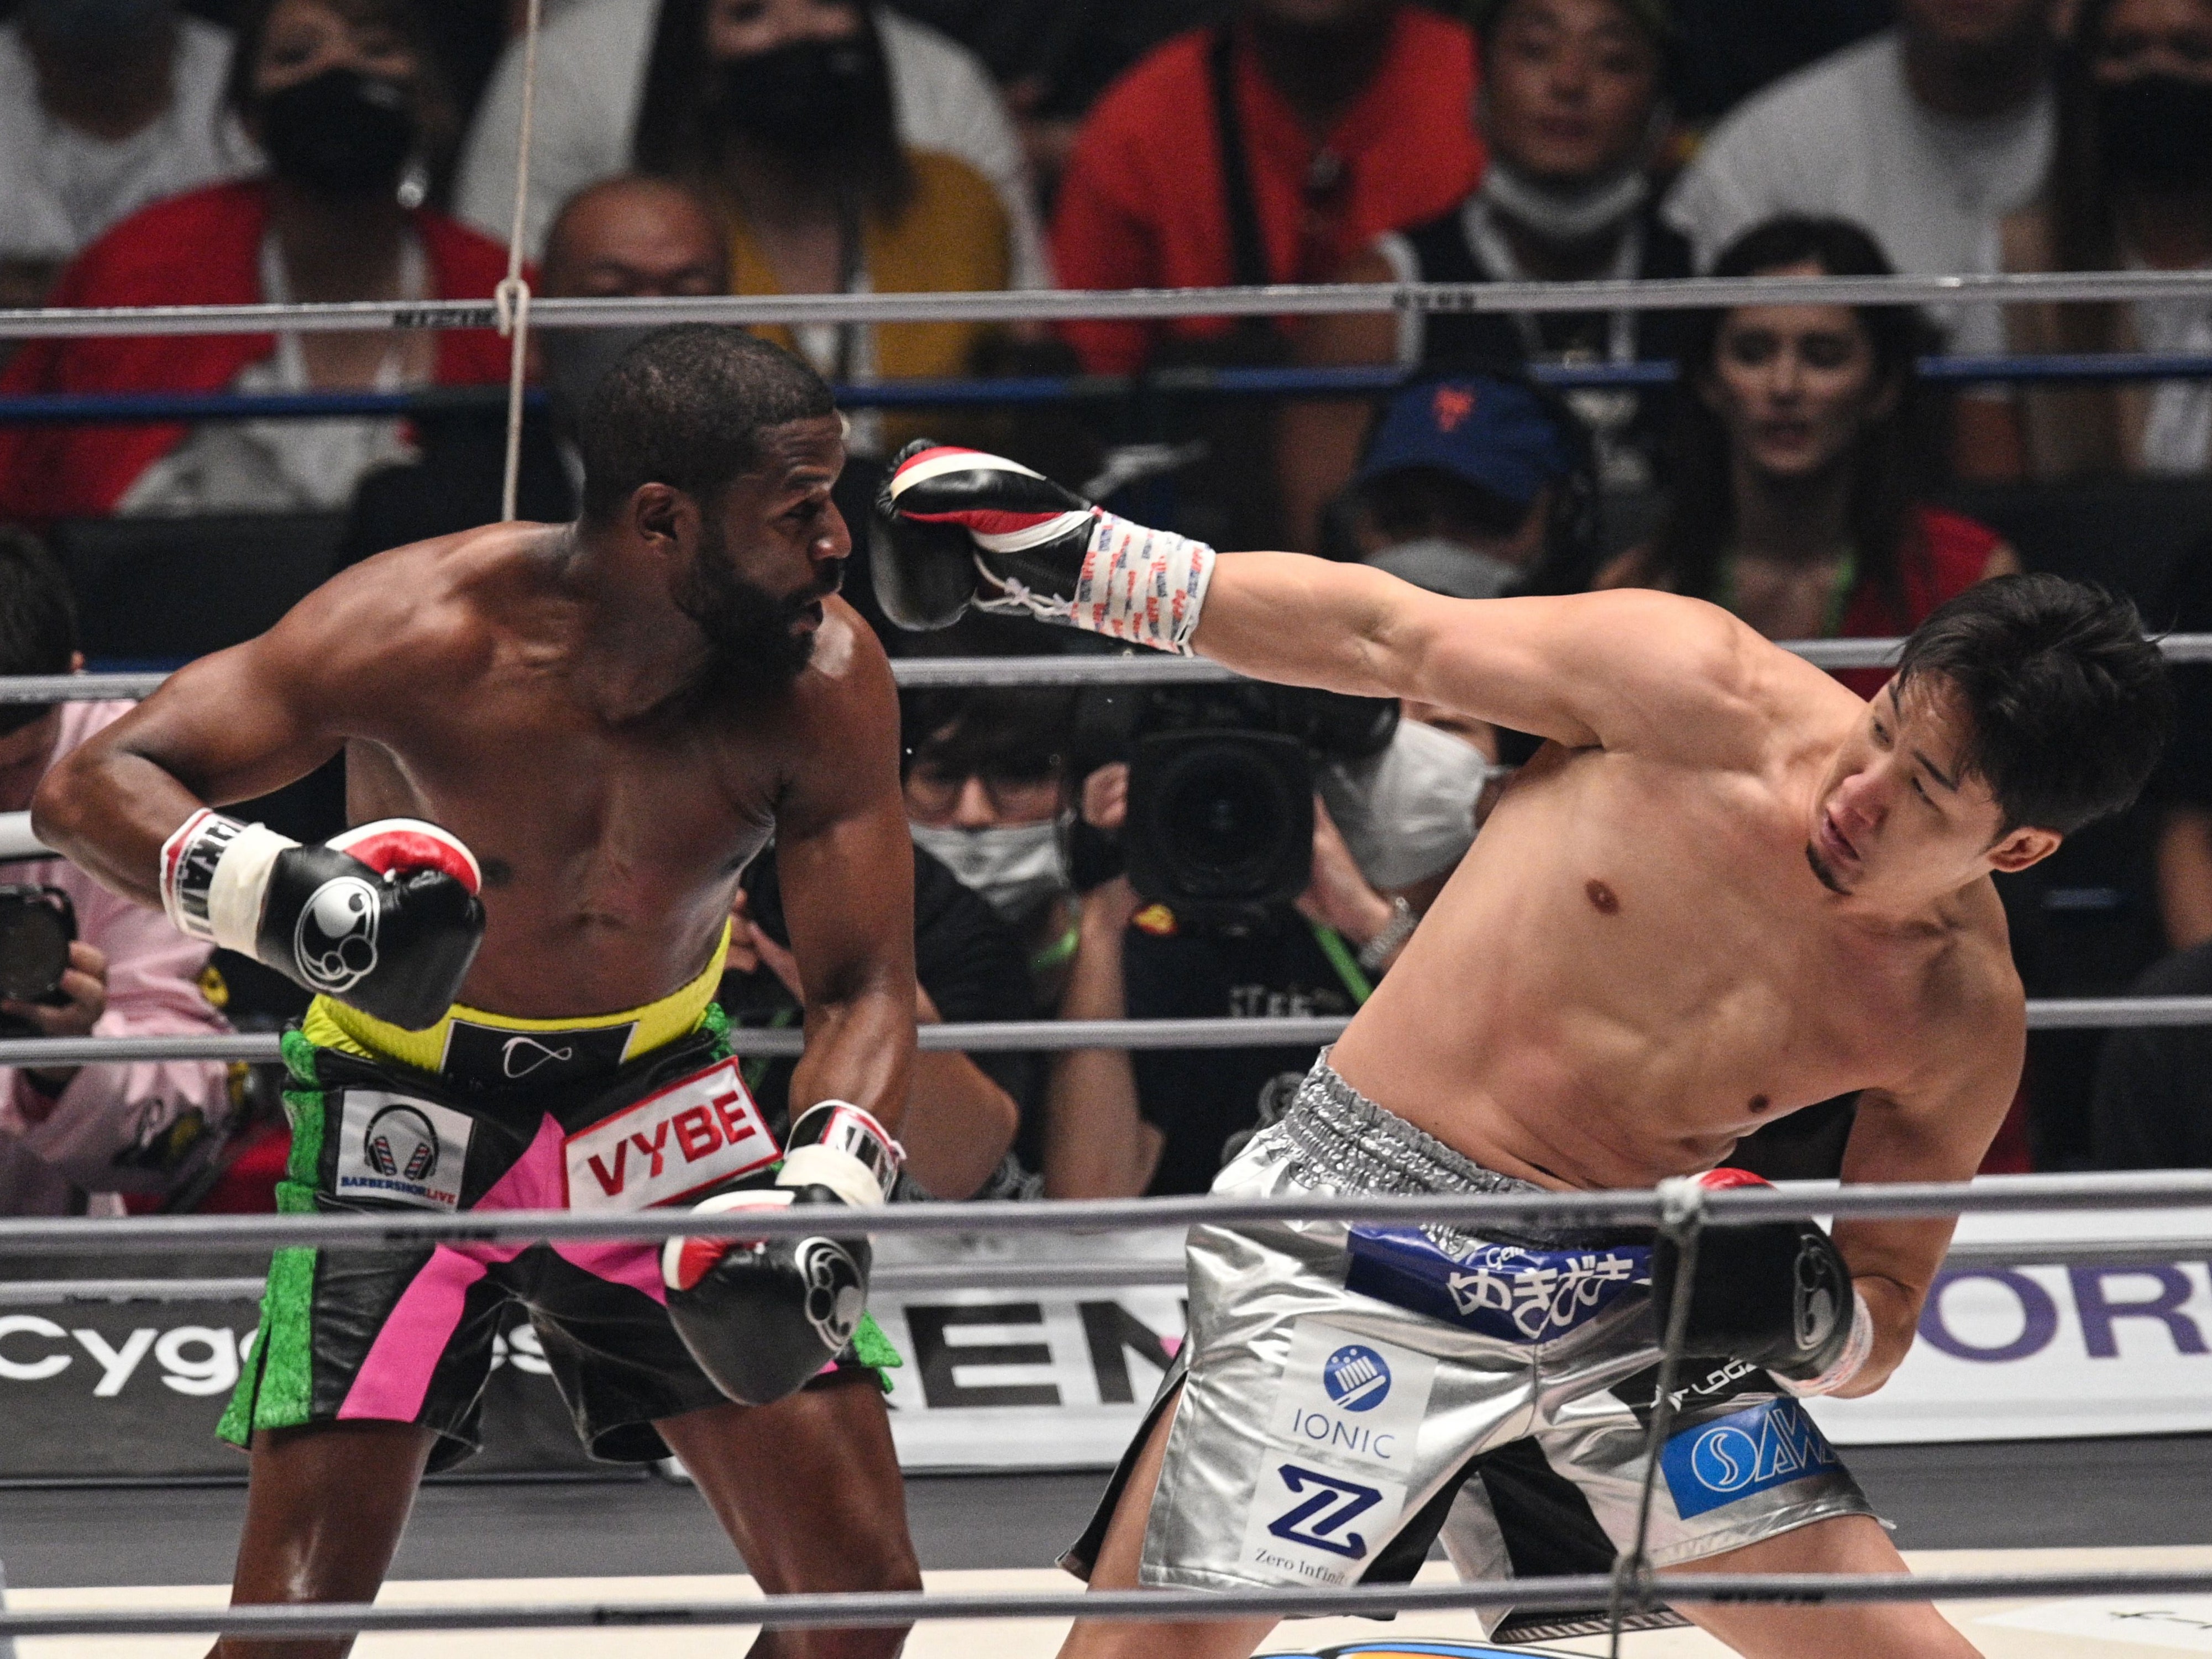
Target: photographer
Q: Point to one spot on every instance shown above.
(74, 1139)
(1161, 1122)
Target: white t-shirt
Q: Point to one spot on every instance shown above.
(1845, 137)
(62, 186)
(591, 59)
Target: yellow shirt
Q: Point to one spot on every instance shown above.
(951, 238)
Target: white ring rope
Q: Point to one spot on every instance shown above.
(1046, 305)
(1033, 1036)
(853, 1609)
(1637, 1207)
(512, 297)
(932, 673)
(1120, 1273)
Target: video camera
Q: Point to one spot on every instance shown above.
(1221, 786)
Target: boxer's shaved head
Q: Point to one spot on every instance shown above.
(686, 407)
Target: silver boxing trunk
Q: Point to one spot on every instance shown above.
(1350, 1394)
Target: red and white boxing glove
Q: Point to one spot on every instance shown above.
(384, 918)
(1777, 1293)
(963, 527)
(762, 1316)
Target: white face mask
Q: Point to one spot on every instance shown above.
(1409, 812)
(1014, 869)
(1575, 214)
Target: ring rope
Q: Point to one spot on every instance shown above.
(930, 1278)
(1049, 305)
(1620, 1207)
(916, 673)
(1033, 1036)
(853, 1609)
(512, 297)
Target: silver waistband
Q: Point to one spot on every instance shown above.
(1341, 1140)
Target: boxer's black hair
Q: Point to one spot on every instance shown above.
(2067, 704)
(686, 407)
(38, 619)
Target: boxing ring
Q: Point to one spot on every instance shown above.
(1677, 1209)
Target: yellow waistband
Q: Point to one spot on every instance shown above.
(332, 1024)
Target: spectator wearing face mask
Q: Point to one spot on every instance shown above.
(780, 113)
(591, 76)
(1797, 451)
(1472, 485)
(1572, 112)
(343, 99)
(1926, 134)
(2129, 189)
(105, 107)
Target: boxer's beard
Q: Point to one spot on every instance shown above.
(752, 644)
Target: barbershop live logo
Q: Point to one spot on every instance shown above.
(398, 1149)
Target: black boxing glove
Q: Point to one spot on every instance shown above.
(1776, 1293)
(962, 527)
(762, 1316)
(385, 917)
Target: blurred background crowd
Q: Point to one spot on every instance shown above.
(1217, 852)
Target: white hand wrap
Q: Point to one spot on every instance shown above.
(215, 878)
(1849, 1363)
(834, 1144)
(1142, 585)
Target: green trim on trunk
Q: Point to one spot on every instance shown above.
(277, 1390)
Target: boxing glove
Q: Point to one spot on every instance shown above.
(1776, 1293)
(384, 918)
(964, 528)
(762, 1316)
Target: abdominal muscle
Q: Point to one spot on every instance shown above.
(1586, 1006)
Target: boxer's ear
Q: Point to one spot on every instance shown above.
(2016, 849)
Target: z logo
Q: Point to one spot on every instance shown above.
(1334, 1502)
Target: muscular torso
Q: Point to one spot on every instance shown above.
(610, 846)
(1635, 966)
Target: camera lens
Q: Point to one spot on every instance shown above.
(34, 944)
(1223, 817)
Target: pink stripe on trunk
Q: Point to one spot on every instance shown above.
(394, 1378)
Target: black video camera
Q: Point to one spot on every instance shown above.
(37, 926)
(1221, 786)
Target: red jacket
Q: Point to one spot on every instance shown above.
(1141, 205)
(201, 248)
(1944, 554)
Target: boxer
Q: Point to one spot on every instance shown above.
(563, 744)
(1725, 888)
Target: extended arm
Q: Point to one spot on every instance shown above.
(965, 528)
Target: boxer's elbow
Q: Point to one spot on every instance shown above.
(62, 808)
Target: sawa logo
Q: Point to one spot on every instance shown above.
(401, 1143)
(1355, 1378)
(1746, 1452)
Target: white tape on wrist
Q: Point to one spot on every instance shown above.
(1858, 1347)
(825, 1166)
(1143, 586)
(215, 878)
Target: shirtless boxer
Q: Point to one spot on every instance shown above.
(606, 720)
(1725, 888)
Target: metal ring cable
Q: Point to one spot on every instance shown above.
(512, 296)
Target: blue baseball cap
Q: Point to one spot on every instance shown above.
(1496, 434)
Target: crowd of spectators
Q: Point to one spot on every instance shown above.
(1801, 470)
